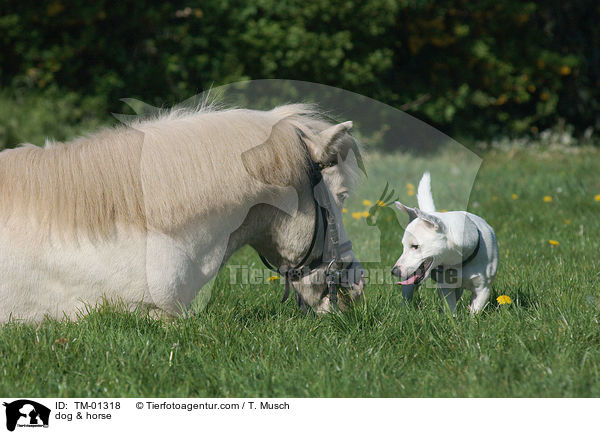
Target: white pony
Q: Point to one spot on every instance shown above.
(147, 213)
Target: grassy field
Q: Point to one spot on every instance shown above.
(243, 342)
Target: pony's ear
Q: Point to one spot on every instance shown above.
(412, 212)
(432, 220)
(331, 141)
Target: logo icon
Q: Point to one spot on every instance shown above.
(26, 413)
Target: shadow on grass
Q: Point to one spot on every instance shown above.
(269, 312)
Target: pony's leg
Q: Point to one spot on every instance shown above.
(479, 298)
(447, 296)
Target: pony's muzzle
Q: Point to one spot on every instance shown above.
(353, 279)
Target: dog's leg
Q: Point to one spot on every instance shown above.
(408, 291)
(447, 295)
(479, 298)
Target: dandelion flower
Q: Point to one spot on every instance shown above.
(515, 196)
(410, 192)
(272, 278)
(597, 198)
(553, 242)
(367, 202)
(410, 186)
(365, 214)
(567, 221)
(356, 215)
(494, 198)
(504, 299)
(380, 203)
(344, 210)
(547, 198)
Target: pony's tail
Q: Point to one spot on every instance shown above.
(424, 196)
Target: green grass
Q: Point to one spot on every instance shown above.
(245, 343)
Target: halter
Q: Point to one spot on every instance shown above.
(325, 238)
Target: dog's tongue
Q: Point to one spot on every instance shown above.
(408, 281)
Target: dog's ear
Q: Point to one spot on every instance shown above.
(412, 212)
(434, 221)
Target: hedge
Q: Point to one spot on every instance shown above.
(475, 67)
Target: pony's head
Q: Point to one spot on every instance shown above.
(336, 153)
(313, 238)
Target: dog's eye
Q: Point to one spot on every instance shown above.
(414, 246)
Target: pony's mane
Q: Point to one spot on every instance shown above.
(155, 173)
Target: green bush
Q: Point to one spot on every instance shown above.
(33, 117)
(477, 67)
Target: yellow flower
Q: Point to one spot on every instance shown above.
(356, 215)
(553, 242)
(494, 198)
(410, 186)
(547, 198)
(364, 214)
(567, 221)
(380, 203)
(597, 198)
(444, 210)
(504, 299)
(344, 210)
(367, 202)
(272, 278)
(515, 196)
(410, 192)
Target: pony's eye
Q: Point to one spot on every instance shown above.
(342, 196)
(414, 246)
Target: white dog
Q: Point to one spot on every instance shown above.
(457, 248)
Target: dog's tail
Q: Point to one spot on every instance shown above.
(424, 196)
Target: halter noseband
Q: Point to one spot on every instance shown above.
(330, 243)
